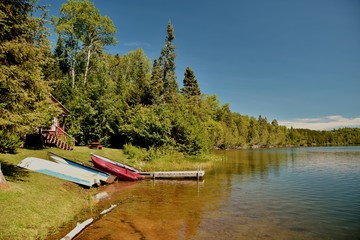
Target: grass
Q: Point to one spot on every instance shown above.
(35, 205)
(177, 162)
(166, 160)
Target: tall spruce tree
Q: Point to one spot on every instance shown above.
(167, 63)
(156, 87)
(61, 56)
(191, 87)
(24, 50)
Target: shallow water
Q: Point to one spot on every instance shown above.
(298, 193)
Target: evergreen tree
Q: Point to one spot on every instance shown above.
(156, 83)
(191, 87)
(167, 63)
(24, 50)
(263, 126)
(253, 133)
(61, 56)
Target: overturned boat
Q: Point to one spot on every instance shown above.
(103, 176)
(62, 171)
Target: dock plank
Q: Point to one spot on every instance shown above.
(174, 174)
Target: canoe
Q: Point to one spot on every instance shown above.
(116, 163)
(102, 176)
(59, 170)
(122, 173)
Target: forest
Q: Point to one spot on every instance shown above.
(118, 99)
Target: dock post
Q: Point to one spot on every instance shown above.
(198, 178)
(198, 173)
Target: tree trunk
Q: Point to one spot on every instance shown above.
(87, 65)
(73, 71)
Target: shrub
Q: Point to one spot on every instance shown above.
(9, 142)
(133, 152)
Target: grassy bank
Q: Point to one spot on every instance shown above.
(35, 205)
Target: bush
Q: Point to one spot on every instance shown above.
(9, 142)
(133, 152)
(147, 127)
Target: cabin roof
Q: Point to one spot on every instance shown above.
(60, 106)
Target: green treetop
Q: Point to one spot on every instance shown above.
(167, 63)
(191, 87)
(24, 50)
(85, 33)
(156, 83)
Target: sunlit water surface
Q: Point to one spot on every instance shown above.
(296, 193)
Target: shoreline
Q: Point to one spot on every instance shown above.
(281, 146)
(38, 206)
(30, 203)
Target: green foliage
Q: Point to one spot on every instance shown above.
(119, 99)
(188, 130)
(307, 137)
(142, 154)
(156, 84)
(61, 56)
(9, 142)
(84, 33)
(191, 87)
(147, 127)
(133, 152)
(167, 65)
(24, 51)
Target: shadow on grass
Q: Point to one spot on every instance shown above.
(13, 173)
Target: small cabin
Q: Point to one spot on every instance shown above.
(58, 123)
(55, 135)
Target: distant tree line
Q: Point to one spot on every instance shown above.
(119, 99)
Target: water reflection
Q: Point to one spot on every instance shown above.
(310, 193)
(160, 209)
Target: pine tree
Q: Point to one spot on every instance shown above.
(191, 87)
(167, 63)
(61, 56)
(24, 50)
(156, 83)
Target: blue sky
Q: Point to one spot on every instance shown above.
(294, 61)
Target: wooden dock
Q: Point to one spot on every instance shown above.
(174, 174)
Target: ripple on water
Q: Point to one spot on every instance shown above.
(284, 194)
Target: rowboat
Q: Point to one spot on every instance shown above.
(118, 169)
(103, 176)
(62, 171)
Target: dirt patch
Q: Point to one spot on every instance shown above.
(4, 186)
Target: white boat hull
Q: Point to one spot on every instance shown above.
(59, 170)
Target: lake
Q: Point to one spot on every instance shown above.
(294, 193)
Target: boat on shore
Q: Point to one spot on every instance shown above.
(61, 171)
(103, 176)
(122, 171)
(123, 165)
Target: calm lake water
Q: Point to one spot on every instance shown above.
(296, 193)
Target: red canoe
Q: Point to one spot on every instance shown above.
(121, 172)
